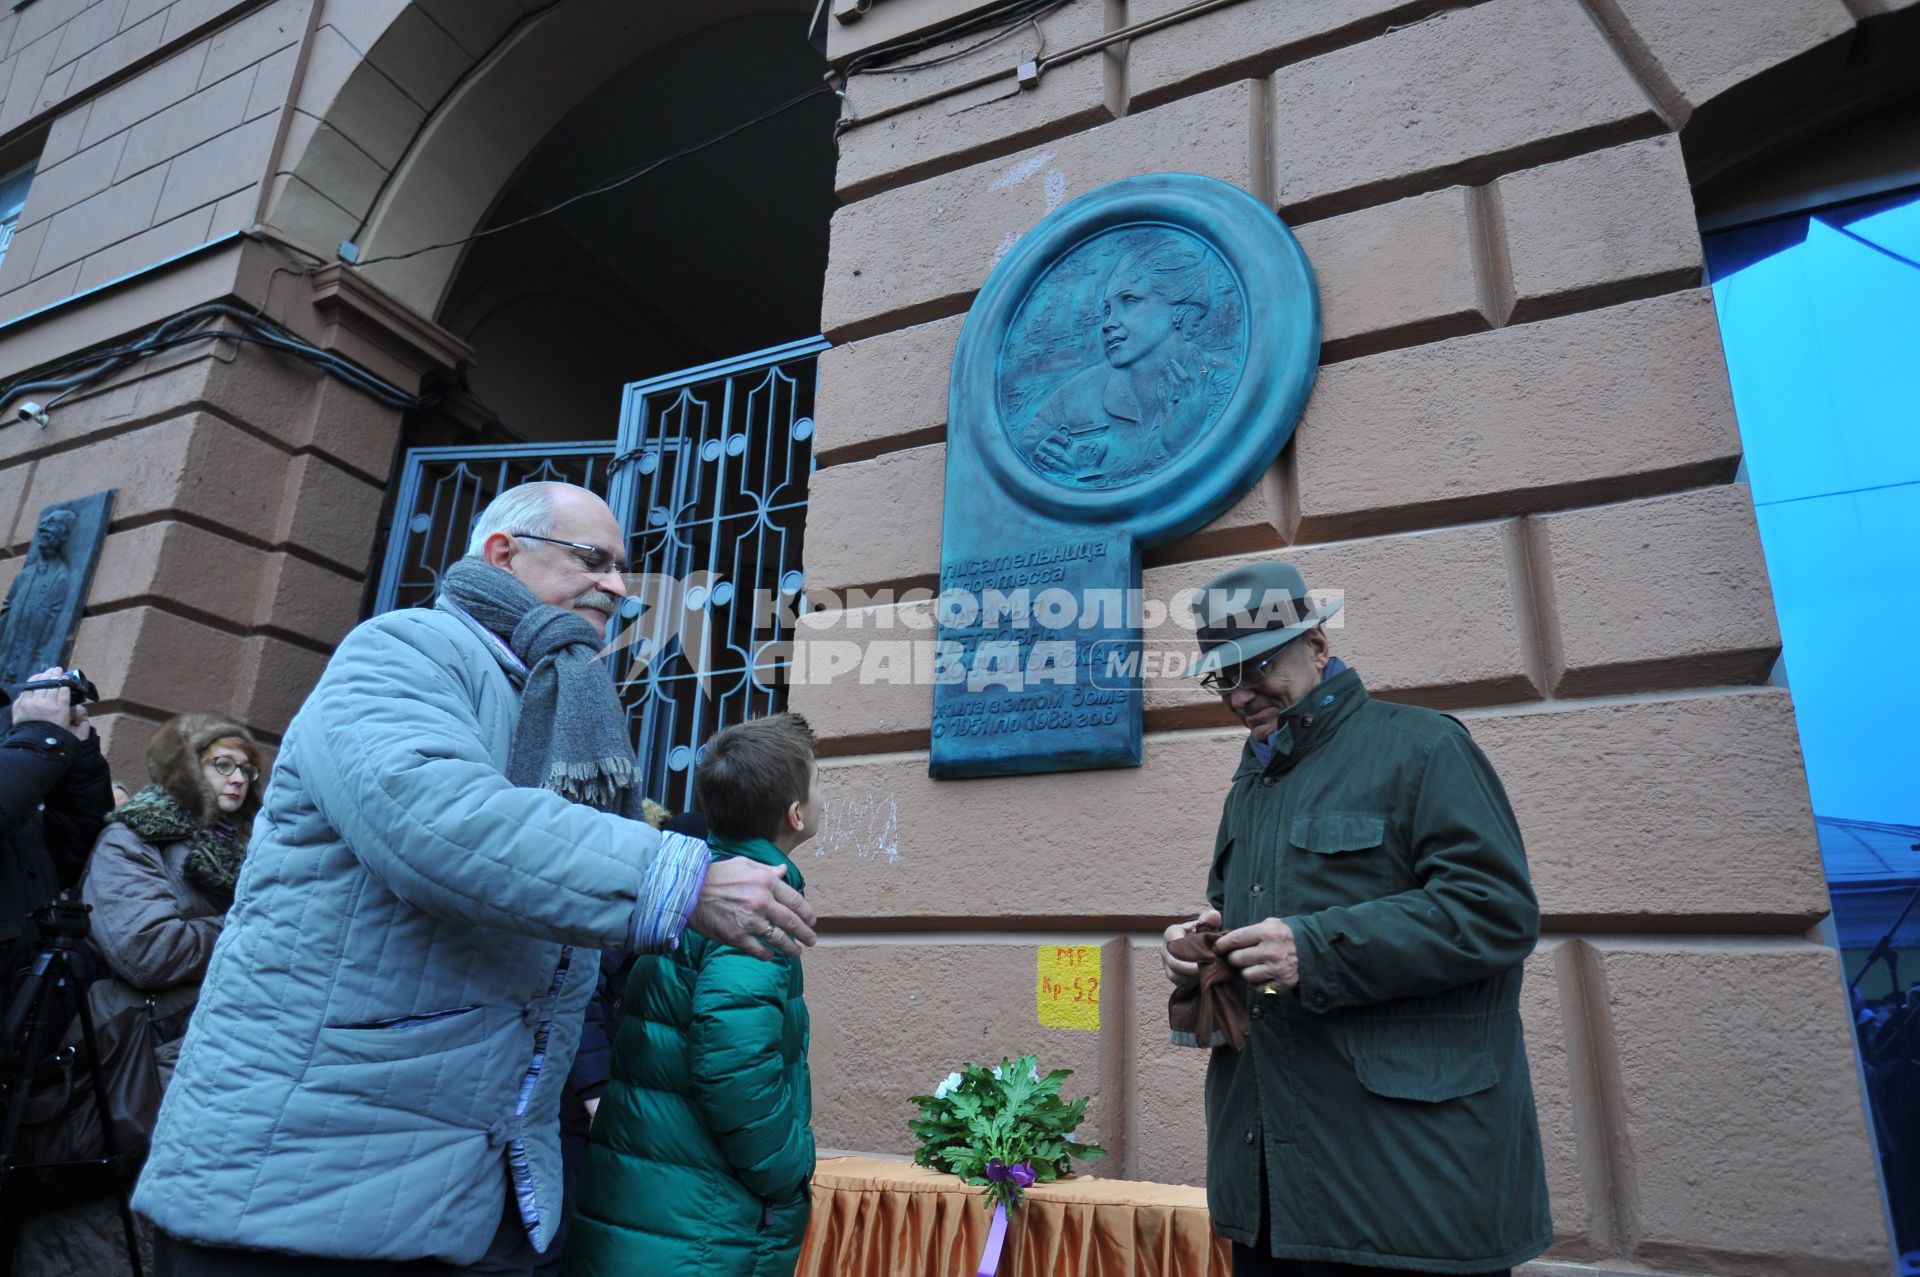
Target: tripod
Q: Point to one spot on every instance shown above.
(62, 965)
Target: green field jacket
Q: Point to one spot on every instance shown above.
(1385, 1103)
(702, 1149)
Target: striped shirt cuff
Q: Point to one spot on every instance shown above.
(668, 895)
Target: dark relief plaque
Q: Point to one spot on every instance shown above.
(43, 605)
(1127, 372)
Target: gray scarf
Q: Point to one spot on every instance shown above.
(572, 736)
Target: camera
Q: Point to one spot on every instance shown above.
(73, 680)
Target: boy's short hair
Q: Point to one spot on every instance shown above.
(751, 773)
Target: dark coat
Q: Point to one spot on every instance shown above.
(702, 1148)
(1386, 1098)
(54, 799)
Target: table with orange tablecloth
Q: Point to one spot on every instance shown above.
(876, 1217)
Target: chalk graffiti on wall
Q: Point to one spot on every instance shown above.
(865, 826)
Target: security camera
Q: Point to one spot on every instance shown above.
(34, 412)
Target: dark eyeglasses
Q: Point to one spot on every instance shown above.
(1228, 680)
(227, 767)
(592, 557)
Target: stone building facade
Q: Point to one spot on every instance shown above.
(1520, 462)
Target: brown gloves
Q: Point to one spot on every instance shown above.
(1214, 1012)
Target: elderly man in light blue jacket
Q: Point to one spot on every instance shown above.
(371, 1081)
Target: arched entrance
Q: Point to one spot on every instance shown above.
(653, 340)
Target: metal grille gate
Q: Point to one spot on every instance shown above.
(708, 476)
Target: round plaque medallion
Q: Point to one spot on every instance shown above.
(1122, 356)
(1138, 358)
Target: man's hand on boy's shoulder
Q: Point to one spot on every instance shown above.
(750, 906)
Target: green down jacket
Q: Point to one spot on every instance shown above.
(702, 1148)
(1385, 1103)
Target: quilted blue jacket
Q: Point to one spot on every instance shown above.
(703, 1146)
(389, 1015)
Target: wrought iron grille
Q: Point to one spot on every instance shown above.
(443, 491)
(709, 479)
(715, 465)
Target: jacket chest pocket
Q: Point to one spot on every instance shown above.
(1337, 858)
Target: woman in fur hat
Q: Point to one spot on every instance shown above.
(162, 874)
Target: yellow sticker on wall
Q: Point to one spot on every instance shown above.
(1067, 987)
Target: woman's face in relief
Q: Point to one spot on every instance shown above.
(1135, 322)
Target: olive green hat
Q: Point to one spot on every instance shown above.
(1251, 611)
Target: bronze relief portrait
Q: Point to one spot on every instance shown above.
(1122, 356)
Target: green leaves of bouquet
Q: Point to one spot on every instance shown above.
(1004, 1127)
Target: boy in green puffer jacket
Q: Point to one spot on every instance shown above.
(702, 1149)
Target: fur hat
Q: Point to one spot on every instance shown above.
(173, 760)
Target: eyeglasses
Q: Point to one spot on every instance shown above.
(1224, 681)
(592, 557)
(227, 767)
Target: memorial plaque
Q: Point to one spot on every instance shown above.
(1128, 371)
(43, 605)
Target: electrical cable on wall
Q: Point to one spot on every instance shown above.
(183, 329)
(1006, 20)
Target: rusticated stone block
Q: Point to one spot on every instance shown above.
(123, 739)
(857, 675)
(1431, 618)
(1264, 518)
(920, 252)
(1664, 593)
(195, 570)
(1598, 228)
(60, 186)
(120, 211)
(234, 160)
(165, 240)
(1683, 813)
(1524, 418)
(179, 128)
(300, 409)
(377, 116)
(1738, 1112)
(153, 657)
(969, 1001)
(1397, 274)
(1455, 98)
(885, 393)
(1549, 1008)
(1653, 815)
(330, 512)
(996, 116)
(861, 675)
(1249, 38)
(183, 566)
(13, 492)
(877, 522)
(896, 844)
(278, 675)
(194, 464)
(304, 599)
(1706, 47)
(1166, 1115)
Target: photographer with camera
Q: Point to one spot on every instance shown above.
(54, 797)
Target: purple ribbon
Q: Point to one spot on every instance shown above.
(1019, 1174)
(996, 1238)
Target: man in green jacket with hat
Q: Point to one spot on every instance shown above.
(1371, 899)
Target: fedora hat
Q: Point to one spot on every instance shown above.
(1252, 611)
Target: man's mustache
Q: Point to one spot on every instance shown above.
(599, 600)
